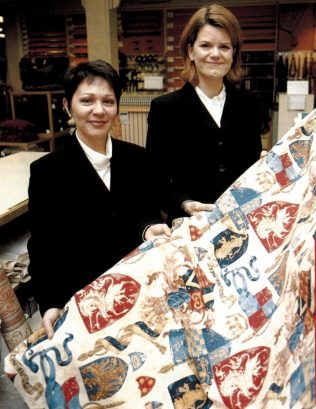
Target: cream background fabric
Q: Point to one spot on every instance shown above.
(220, 315)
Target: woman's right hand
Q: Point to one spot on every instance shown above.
(49, 319)
(192, 207)
(263, 153)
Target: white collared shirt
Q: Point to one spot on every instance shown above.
(100, 162)
(214, 105)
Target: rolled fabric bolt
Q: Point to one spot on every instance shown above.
(14, 325)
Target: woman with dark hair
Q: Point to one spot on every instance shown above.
(90, 201)
(202, 137)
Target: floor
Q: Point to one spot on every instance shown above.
(13, 239)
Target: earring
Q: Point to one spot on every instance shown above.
(70, 120)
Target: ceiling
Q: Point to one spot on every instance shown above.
(26, 7)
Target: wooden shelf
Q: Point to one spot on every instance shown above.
(42, 137)
(44, 109)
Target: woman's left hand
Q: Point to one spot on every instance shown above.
(156, 230)
(192, 207)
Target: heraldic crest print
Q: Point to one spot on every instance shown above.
(219, 315)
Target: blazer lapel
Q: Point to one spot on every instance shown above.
(83, 176)
(231, 109)
(117, 167)
(194, 107)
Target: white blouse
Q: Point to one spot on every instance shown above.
(100, 162)
(214, 105)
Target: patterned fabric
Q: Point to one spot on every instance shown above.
(220, 315)
(13, 324)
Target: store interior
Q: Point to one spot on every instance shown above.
(40, 39)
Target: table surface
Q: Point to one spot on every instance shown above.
(14, 181)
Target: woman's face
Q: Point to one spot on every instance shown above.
(93, 109)
(212, 53)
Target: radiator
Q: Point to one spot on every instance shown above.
(134, 125)
(133, 118)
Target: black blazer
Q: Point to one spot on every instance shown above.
(194, 158)
(79, 228)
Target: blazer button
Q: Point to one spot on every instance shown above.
(221, 168)
(220, 142)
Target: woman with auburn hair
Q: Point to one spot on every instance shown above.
(203, 136)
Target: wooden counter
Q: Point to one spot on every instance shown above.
(14, 181)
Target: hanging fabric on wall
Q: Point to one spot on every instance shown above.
(281, 74)
(286, 63)
(305, 67)
(292, 67)
(219, 315)
(298, 70)
(312, 74)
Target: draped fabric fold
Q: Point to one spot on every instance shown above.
(219, 315)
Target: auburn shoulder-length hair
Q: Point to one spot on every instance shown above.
(218, 16)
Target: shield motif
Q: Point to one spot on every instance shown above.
(103, 377)
(145, 384)
(272, 223)
(229, 246)
(106, 300)
(240, 377)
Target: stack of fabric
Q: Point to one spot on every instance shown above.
(14, 325)
(219, 315)
(17, 130)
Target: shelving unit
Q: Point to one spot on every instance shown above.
(259, 78)
(43, 37)
(55, 36)
(44, 109)
(41, 138)
(141, 32)
(141, 46)
(259, 73)
(77, 38)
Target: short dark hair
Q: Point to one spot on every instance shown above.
(91, 69)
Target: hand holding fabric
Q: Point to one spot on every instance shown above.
(263, 153)
(49, 319)
(192, 207)
(156, 230)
